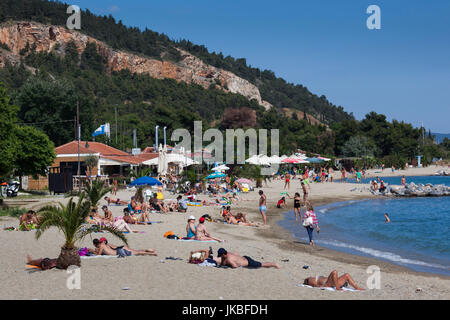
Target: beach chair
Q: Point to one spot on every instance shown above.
(148, 194)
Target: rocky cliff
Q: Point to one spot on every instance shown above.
(189, 69)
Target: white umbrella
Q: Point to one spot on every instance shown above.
(264, 160)
(274, 159)
(220, 168)
(252, 159)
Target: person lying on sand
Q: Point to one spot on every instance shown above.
(42, 263)
(103, 248)
(201, 233)
(332, 281)
(234, 260)
(28, 221)
(232, 220)
(239, 216)
(115, 201)
(121, 225)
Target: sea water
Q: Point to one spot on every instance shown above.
(418, 236)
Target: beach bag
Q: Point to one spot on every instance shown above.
(308, 221)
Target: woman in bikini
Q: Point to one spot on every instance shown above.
(287, 181)
(297, 204)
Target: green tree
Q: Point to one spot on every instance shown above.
(359, 146)
(70, 220)
(94, 190)
(35, 152)
(8, 139)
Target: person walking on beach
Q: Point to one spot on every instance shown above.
(262, 205)
(305, 191)
(310, 222)
(297, 204)
(287, 181)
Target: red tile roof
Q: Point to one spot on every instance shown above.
(93, 147)
(104, 150)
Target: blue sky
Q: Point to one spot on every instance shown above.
(401, 70)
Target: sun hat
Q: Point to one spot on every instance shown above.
(202, 219)
(191, 218)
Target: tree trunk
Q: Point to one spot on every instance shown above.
(68, 256)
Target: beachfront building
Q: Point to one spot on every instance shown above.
(108, 162)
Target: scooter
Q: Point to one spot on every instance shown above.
(12, 189)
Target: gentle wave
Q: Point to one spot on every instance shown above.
(384, 255)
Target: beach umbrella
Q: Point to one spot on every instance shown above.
(324, 159)
(314, 160)
(216, 175)
(252, 159)
(274, 159)
(146, 181)
(244, 180)
(294, 160)
(220, 168)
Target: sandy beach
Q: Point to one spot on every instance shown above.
(159, 278)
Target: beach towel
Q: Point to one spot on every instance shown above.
(193, 240)
(329, 288)
(97, 257)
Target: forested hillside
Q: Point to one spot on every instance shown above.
(46, 87)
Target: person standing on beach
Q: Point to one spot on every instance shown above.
(297, 204)
(343, 177)
(310, 222)
(330, 174)
(114, 190)
(287, 180)
(263, 205)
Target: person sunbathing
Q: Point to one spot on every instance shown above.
(42, 263)
(234, 260)
(332, 281)
(190, 228)
(121, 225)
(28, 221)
(232, 220)
(108, 218)
(115, 201)
(102, 247)
(201, 233)
(200, 256)
(94, 218)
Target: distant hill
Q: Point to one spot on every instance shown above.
(271, 90)
(440, 136)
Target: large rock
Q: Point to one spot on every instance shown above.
(190, 69)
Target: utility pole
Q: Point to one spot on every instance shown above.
(116, 122)
(79, 134)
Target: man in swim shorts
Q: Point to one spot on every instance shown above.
(262, 205)
(234, 260)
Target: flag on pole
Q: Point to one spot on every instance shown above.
(103, 129)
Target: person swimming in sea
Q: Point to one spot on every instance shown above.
(387, 220)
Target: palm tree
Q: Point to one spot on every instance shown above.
(94, 191)
(70, 220)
